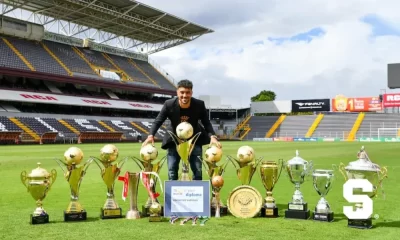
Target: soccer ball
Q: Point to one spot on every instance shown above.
(109, 153)
(148, 152)
(184, 130)
(213, 154)
(73, 155)
(245, 154)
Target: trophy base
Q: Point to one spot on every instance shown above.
(146, 211)
(223, 211)
(360, 223)
(155, 218)
(42, 219)
(269, 212)
(75, 216)
(110, 213)
(323, 217)
(297, 211)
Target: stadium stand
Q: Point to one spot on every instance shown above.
(294, 126)
(372, 122)
(260, 126)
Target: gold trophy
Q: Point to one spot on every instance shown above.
(270, 172)
(38, 184)
(217, 183)
(245, 201)
(109, 173)
(131, 185)
(74, 175)
(184, 147)
(148, 163)
(213, 155)
(155, 207)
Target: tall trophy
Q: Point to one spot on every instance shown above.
(184, 147)
(363, 168)
(131, 185)
(297, 169)
(38, 183)
(213, 155)
(217, 182)
(148, 163)
(245, 201)
(322, 181)
(109, 173)
(270, 172)
(155, 208)
(74, 175)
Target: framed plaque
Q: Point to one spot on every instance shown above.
(187, 198)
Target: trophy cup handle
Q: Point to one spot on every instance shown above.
(95, 160)
(194, 139)
(174, 137)
(53, 177)
(281, 165)
(136, 160)
(61, 164)
(204, 164)
(232, 160)
(86, 165)
(343, 171)
(121, 163)
(162, 161)
(151, 194)
(24, 179)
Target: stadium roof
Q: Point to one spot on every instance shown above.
(124, 18)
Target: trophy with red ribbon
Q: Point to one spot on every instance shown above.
(131, 184)
(148, 162)
(155, 206)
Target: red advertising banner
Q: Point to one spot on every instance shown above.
(365, 104)
(391, 100)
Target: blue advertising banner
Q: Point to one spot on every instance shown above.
(187, 198)
(305, 139)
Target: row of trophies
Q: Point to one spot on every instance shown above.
(244, 201)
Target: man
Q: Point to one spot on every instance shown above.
(184, 108)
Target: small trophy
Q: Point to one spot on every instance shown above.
(74, 175)
(213, 155)
(131, 185)
(217, 183)
(363, 168)
(322, 181)
(184, 147)
(39, 183)
(154, 209)
(109, 173)
(270, 172)
(148, 163)
(297, 169)
(245, 201)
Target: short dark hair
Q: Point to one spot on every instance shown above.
(185, 84)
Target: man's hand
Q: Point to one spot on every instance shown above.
(149, 139)
(214, 141)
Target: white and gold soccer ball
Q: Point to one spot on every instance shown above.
(184, 130)
(73, 155)
(245, 154)
(213, 154)
(148, 152)
(109, 153)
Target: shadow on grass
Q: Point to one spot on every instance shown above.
(89, 219)
(392, 224)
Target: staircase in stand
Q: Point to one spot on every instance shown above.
(29, 131)
(275, 126)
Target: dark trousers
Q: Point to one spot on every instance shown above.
(174, 159)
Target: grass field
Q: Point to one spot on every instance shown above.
(16, 204)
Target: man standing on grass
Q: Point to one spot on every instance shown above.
(184, 108)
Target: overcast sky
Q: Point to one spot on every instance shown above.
(312, 49)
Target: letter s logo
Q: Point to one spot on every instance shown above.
(367, 205)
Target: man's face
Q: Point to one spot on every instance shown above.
(184, 94)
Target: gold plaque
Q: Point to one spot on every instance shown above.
(245, 202)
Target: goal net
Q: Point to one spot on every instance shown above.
(389, 132)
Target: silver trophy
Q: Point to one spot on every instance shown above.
(363, 168)
(297, 169)
(322, 181)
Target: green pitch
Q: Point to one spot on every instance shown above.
(16, 204)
